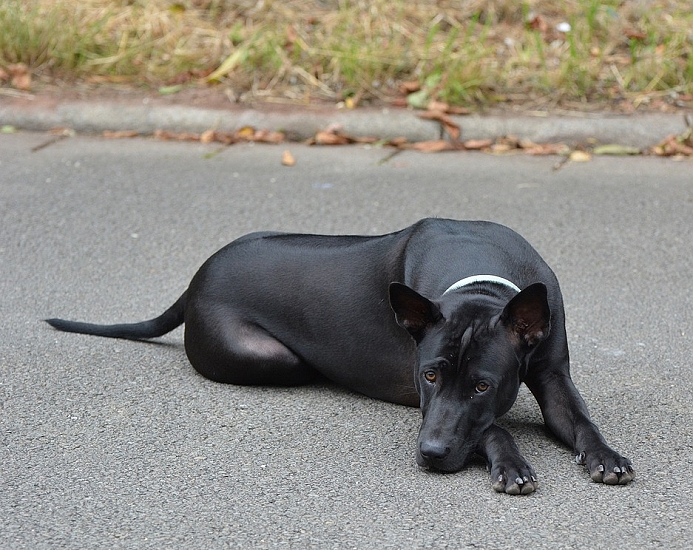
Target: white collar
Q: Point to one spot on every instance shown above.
(482, 279)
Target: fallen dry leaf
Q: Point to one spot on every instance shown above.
(165, 135)
(120, 134)
(329, 138)
(333, 135)
(615, 149)
(449, 125)
(398, 141)
(438, 106)
(20, 76)
(537, 149)
(288, 159)
(526, 144)
(225, 138)
(502, 148)
(511, 141)
(62, 131)
(580, 156)
(162, 134)
(207, 136)
(365, 139)
(266, 136)
(246, 132)
(433, 146)
(635, 34)
(477, 144)
(410, 86)
(675, 145)
(537, 23)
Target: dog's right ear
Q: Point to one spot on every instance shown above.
(412, 311)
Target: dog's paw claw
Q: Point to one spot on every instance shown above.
(607, 467)
(519, 486)
(611, 478)
(597, 474)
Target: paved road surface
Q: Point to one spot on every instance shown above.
(114, 444)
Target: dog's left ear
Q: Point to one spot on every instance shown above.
(528, 317)
(412, 311)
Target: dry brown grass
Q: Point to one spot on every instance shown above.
(478, 52)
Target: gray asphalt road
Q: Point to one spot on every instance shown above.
(109, 444)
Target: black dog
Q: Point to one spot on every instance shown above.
(274, 308)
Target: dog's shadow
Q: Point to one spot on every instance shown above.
(524, 420)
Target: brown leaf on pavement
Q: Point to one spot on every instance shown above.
(510, 141)
(207, 136)
(247, 132)
(449, 125)
(225, 138)
(477, 144)
(266, 136)
(502, 148)
(288, 159)
(432, 146)
(365, 139)
(537, 149)
(398, 141)
(333, 135)
(165, 135)
(580, 156)
(675, 145)
(120, 134)
(330, 138)
(61, 131)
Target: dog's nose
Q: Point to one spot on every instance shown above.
(433, 450)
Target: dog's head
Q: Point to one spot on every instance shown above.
(472, 350)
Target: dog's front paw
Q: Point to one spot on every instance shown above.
(516, 479)
(607, 466)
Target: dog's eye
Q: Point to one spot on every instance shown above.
(430, 376)
(481, 387)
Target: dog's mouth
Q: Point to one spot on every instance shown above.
(438, 469)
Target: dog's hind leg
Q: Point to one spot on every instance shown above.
(229, 350)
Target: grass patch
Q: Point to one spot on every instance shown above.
(479, 52)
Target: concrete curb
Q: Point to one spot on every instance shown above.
(640, 130)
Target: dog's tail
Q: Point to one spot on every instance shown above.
(166, 322)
